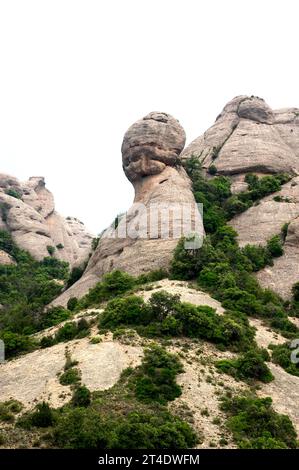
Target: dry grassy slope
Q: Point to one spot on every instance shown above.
(35, 376)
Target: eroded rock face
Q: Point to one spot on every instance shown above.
(285, 272)
(28, 213)
(248, 136)
(151, 144)
(140, 244)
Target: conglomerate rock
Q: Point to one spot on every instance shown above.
(28, 212)
(148, 233)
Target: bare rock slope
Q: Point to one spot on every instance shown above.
(28, 212)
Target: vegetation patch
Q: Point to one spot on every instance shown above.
(282, 355)
(250, 366)
(164, 315)
(255, 425)
(155, 379)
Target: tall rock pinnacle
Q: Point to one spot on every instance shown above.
(148, 233)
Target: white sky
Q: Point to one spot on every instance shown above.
(75, 74)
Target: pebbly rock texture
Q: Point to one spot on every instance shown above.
(248, 136)
(27, 211)
(144, 240)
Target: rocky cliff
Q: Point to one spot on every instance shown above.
(142, 242)
(28, 212)
(249, 137)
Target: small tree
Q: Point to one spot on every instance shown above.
(81, 397)
(42, 417)
(72, 303)
(51, 250)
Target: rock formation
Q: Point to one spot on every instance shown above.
(27, 211)
(144, 240)
(248, 136)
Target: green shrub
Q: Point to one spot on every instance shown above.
(72, 303)
(166, 315)
(94, 243)
(6, 413)
(155, 380)
(153, 431)
(85, 428)
(13, 193)
(258, 256)
(59, 246)
(281, 354)
(163, 304)
(54, 268)
(14, 406)
(274, 246)
(81, 428)
(212, 170)
(15, 343)
(129, 310)
(75, 274)
(255, 424)
(67, 332)
(70, 377)
(153, 276)
(47, 341)
(42, 416)
(51, 250)
(113, 284)
(295, 291)
(81, 396)
(53, 316)
(250, 365)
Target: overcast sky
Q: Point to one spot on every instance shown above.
(76, 74)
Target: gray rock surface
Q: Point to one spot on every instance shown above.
(34, 224)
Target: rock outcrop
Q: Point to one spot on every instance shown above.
(248, 136)
(27, 211)
(147, 234)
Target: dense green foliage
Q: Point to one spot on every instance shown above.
(13, 193)
(220, 266)
(75, 274)
(81, 396)
(281, 354)
(70, 377)
(165, 315)
(156, 377)
(115, 284)
(41, 417)
(219, 204)
(69, 331)
(9, 409)
(72, 303)
(25, 289)
(83, 428)
(255, 425)
(250, 365)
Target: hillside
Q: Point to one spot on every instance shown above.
(155, 345)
